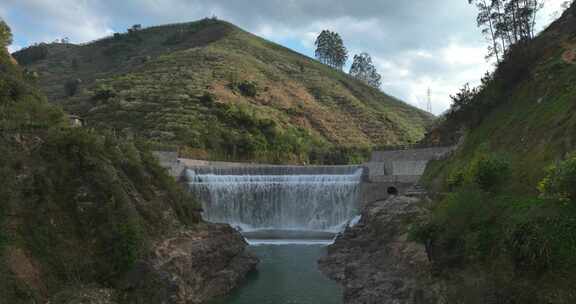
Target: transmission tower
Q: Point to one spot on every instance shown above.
(429, 105)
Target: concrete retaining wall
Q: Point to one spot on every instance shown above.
(402, 166)
(426, 154)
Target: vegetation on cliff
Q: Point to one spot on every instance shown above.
(504, 230)
(77, 207)
(218, 92)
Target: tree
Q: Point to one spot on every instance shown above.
(506, 23)
(363, 69)
(71, 87)
(5, 34)
(135, 28)
(322, 46)
(486, 21)
(330, 49)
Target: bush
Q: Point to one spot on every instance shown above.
(126, 246)
(248, 89)
(103, 93)
(456, 179)
(71, 87)
(207, 98)
(490, 172)
(560, 181)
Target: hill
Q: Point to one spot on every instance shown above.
(503, 227)
(222, 93)
(89, 216)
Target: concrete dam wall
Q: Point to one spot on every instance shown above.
(387, 172)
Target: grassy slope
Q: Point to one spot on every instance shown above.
(510, 245)
(77, 207)
(300, 104)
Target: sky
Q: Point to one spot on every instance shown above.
(415, 44)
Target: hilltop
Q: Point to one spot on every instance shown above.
(219, 92)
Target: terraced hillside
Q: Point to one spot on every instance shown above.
(219, 92)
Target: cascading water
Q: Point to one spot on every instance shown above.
(278, 197)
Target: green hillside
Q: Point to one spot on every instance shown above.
(219, 92)
(504, 220)
(78, 207)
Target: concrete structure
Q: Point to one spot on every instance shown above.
(397, 171)
(404, 166)
(387, 172)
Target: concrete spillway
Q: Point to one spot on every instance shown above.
(317, 199)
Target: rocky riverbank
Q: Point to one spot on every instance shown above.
(193, 266)
(376, 263)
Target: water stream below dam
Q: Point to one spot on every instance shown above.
(288, 215)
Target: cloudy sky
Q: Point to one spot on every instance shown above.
(416, 44)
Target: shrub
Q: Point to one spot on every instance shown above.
(560, 181)
(248, 89)
(126, 245)
(103, 93)
(207, 98)
(71, 87)
(455, 179)
(490, 172)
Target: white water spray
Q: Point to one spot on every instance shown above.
(278, 197)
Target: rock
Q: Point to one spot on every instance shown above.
(84, 295)
(376, 263)
(191, 267)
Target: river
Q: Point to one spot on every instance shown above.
(287, 274)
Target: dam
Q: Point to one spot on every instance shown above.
(290, 213)
(278, 198)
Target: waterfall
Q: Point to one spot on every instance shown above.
(316, 198)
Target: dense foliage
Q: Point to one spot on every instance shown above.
(78, 207)
(492, 234)
(560, 181)
(517, 240)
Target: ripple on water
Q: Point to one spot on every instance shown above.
(287, 274)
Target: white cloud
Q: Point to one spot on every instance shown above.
(13, 48)
(43, 20)
(456, 54)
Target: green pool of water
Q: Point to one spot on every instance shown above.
(287, 274)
